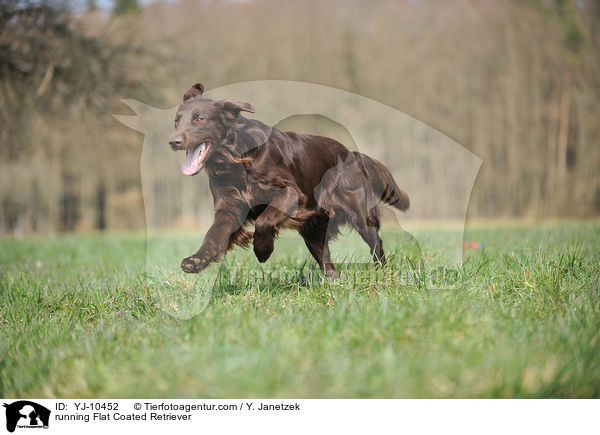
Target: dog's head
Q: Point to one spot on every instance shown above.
(201, 125)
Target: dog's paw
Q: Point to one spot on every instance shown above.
(332, 274)
(263, 247)
(263, 254)
(194, 264)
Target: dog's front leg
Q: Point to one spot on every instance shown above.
(282, 207)
(216, 242)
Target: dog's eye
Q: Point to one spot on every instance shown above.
(198, 119)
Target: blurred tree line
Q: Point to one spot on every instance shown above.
(515, 82)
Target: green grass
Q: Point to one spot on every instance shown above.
(80, 318)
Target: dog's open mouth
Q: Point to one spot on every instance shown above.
(194, 159)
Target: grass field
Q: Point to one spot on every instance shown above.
(79, 318)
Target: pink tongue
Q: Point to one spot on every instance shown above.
(192, 164)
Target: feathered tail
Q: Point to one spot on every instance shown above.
(383, 183)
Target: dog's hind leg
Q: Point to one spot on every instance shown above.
(370, 234)
(316, 236)
(371, 237)
(366, 221)
(319, 249)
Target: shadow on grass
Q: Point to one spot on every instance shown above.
(185, 296)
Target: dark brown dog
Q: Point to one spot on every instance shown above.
(277, 180)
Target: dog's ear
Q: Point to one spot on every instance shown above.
(197, 89)
(235, 107)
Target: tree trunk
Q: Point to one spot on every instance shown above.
(101, 206)
(563, 139)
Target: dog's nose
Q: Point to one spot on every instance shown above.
(176, 142)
